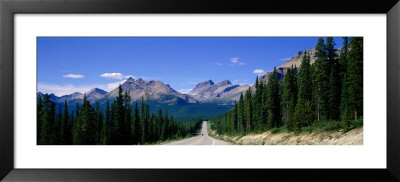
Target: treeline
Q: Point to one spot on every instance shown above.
(118, 124)
(330, 90)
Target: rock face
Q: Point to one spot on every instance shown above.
(281, 71)
(51, 96)
(155, 90)
(295, 61)
(208, 91)
(95, 94)
(73, 96)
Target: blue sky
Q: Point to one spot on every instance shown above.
(77, 64)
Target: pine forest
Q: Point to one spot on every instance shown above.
(327, 92)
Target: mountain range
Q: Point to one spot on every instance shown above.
(206, 98)
(92, 95)
(222, 91)
(157, 91)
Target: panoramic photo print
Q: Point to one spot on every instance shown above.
(199, 91)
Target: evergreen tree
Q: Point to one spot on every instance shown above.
(107, 127)
(76, 130)
(137, 126)
(56, 128)
(273, 100)
(53, 132)
(333, 97)
(289, 97)
(321, 80)
(146, 117)
(241, 116)
(334, 94)
(47, 128)
(153, 128)
(117, 136)
(264, 107)
(355, 77)
(71, 125)
(142, 122)
(126, 128)
(88, 123)
(331, 52)
(77, 110)
(148, 127)
(262, 102)
(257, 105)
(99, 123)
(304, 79)
(161, 124)
(59, 117)
(167, 125)
(343, 59)
(248, 110)
(39, 118)
(235, 117)
(345, 113)
(303, 115)
(304, 95)
(65, 130)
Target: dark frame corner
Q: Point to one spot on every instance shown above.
(8, 8)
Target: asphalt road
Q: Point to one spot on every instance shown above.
(201, 139)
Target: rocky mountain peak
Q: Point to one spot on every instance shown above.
(140, 81)
(96, 90)
(156, 90)
(225, 82)
(95, 94)
(205, 84)
(300, 54)
(53, 97)
(208, 91)
(295, 61)
(76, 94)
(130, 79)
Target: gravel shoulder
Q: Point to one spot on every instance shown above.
(352, 137)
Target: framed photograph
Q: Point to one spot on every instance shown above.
(131, 90)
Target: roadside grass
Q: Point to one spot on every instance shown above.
(344, 126)
(279, 130)
(322, 126)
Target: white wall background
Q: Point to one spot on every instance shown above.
(370, 155)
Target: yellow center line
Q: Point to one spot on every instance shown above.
(198, 141)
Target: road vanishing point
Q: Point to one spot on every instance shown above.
(201, 139)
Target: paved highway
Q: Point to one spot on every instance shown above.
(201, 139)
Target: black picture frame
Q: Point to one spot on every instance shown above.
(8, 8)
